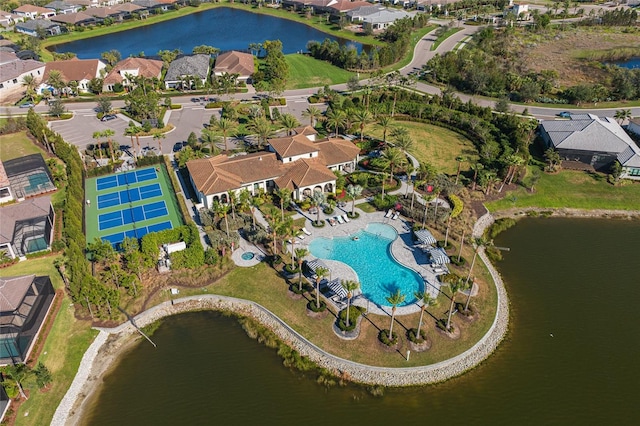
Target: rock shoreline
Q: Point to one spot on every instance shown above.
(360, 373)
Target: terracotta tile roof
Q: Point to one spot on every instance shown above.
(221, 173)
(346, 5)
(146, 67)
(29, 8)
(234, 62)
(334, 151)
(305, 130)
(127, 7)
(103, 12)
(304, 172)
(6, 57)
(291, 146)
(12, 292)
(74, 69)
(73, 18)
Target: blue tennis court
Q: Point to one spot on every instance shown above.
(134, 214)
(129, 195)
(127, 178)
(118, 237)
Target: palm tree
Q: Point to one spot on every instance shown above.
(317, 201)
(107, 134)
(320, 274)
(210, 139)
(394, 299)
(394, 157)
(289, 122)
(427, 301)
(476, 168)
(225, 126)
(232, 196)
(353, 192)
(158, 136)
(479, 242)
(362, 117)
(300, 254)
(385, 123)
(313, 114)
(131, 132)
(404, 142)
(262, 129)
(221, 209)
(255, 202)
(29, 82)
(55, 80)
(336, 120)
(455, 286)
(97, 135)
(350, 287)
(620, 115)
(284, 195)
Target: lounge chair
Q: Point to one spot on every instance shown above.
(395, 215)
(339, 219)
(332, 222)
(306, 231)
(301, 237)
(389, 213)
(346, 218)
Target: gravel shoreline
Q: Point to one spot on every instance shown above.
(95, 361)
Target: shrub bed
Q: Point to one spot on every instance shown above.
(317, 224)
(313, 308)
(455, 261)
(353, 215)
(383, 336)
(412, 335)
(354, 314)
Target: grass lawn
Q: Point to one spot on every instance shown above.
(436, 145)
(573, 189)
(264, 286)
(63, 350)
(14, 145)
(448, 33)
(306, 71)
(366, 207)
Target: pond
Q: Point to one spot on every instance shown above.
(571, 355)
(629, 63)
(223, 28)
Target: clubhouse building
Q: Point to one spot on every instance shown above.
(299, 162)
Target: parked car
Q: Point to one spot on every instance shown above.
(177, 147)
(108, 117)
(27, 105)
(564, 114)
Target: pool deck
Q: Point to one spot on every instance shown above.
(402, 250)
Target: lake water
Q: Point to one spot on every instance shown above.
(224, 28)
(629, 63)
(571, 356)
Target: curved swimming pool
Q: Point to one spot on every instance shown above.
(368, 252)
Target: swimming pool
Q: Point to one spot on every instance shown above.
(368, 252)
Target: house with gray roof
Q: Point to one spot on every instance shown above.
(376, 17)
(27, 227)
(63, 7)
(185, 72)
(31, 27)
(596, 141)
(25, 302)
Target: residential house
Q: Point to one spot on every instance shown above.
(131, 67)
(27, 227)
(79, 19)
(376, 17)
(32, 27)
(25, 302)
(7, 19)
(32, 12)
(152, 6)
(520, 11)
(188, 70)
(63, 7)
(235, 62)
(102, 13)
(596, 141)
(299, 162)
(128, 8)
(12, 72)
(333, 7)
(81, 71)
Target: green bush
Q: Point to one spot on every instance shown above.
(383, 336)
(210, 257)
(442, 325)
(354, 314)
(499, 226)
(318, 224)
(412, 335)
(384, 203)
(291, 270)
(149, 160)
(457, 205)
(312, 306)
(455, 261)
(353, 215)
